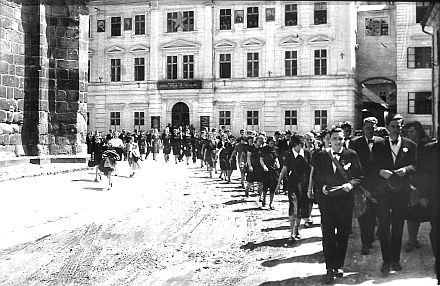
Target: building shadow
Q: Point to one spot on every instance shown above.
(283, 227)
(248, 210)
(276, 218)
(234, 202)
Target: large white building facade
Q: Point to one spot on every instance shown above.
(260, 65)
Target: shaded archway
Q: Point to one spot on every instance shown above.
(378, 97)
(180, 115)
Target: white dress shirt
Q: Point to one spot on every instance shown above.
(301, 152)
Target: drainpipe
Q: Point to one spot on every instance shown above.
(432, 77)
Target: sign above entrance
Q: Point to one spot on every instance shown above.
(179, 84)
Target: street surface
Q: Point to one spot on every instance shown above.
(169, 225)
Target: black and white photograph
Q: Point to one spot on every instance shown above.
(219, 143)
(127, 24)
(270, 14)
(238, 16)
(100, 26)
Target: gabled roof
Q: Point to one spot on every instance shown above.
(180, 44)
(139, 49)
(291, 41)
(252, 43)
(225, 44)
(114, 50)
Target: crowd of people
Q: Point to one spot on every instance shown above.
(382, 176)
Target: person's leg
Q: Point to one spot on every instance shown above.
(328, 226)
(260, 190)
(96, 173)
(397, 224)
(384, 224)
(109, 178)
(247, 189)
(344, 212)
(413, 230)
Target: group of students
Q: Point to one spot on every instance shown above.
(389, 169)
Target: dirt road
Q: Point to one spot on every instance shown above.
(169, 225)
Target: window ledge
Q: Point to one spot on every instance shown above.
(250, 29)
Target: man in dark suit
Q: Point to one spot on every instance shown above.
(335, 198)
(348, 129)
(395, 163)
(365, 147)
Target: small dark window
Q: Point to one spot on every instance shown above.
(252, 64)
(291, 63)
(225, 118)
(139, 24)
(116, 26)
(321, 118)
(188, 66)
(171, 67)
(320, 62)
(225, 65)
(419, 57)
(377, 26)
(421, 8)
(419, 103)
(290, 118)
(172, 22)
(225, 19)
(115, 120)
(252, 118)
(188, 21)
(252, 17)
(139, 120)
(291, 15)
(320, 13)
(139, 69)
(115, 69)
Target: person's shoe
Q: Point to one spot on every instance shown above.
(298, 236)
(409, 247)
(396, 266)
(263, 203)
(308, 224)
(292, 240)
(96, 180)
(271, 207)
(385, 268)
(337, 272)
(328, 277)
(365, 250)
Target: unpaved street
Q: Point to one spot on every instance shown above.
(169, 225)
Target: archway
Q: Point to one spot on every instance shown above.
(180, 115)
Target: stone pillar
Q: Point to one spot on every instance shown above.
(43, 62)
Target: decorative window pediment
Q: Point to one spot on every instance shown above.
(291, 41)
(179, 45)
(139, 49)
(252, 43)
(115, 50)
(224, 45)
(320, 39)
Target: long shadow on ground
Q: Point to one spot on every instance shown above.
(281, 242)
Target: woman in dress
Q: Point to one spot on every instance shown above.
(231, 158)
(97, 148)
(141, 140)
(176, 144)
(166, 141)
(222, 156)
(108, 165)
(209, 153)
(133, 155)
(255, 170)
(270, 164)
(155, 142)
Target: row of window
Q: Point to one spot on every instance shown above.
(418, 57)
(184, 20)
(252, 119)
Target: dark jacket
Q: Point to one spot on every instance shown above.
(406, 158)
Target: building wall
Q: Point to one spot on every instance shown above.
(410, 34)
(271, 93)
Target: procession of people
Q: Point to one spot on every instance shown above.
(381, 177)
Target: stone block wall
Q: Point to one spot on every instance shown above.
(43, 81)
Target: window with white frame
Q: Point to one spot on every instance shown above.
(420, 102)
(225, 65)
(252, 119)
(139, 120)
(225, 19)
(419, 57)
(291, 63)
(139, 69)
(139, 24)
(115, 26)
(188, 66)
(320, 13)
(321, 119)
(115, 69)
(290, 119)
(320, 62)
(188, 21)
(171, 67)
(225, 118)
(252, 64)
(180, 21)
(376, 26)
(252, 17)
(291, 15)
(115, 120)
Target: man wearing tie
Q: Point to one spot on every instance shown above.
(365, 147)
(347, 128)
(395, 163)
(337, 172)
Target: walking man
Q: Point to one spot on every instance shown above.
(396, 161)
(337, 171)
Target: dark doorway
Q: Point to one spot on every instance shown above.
(180, 115)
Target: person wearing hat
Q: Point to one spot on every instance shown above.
(337, 171)
(395, 163)
(366, 148)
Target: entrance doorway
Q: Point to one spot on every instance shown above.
(180, 115)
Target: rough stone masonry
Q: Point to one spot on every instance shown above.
(43, 87)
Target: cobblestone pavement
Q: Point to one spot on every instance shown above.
(169, 225)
